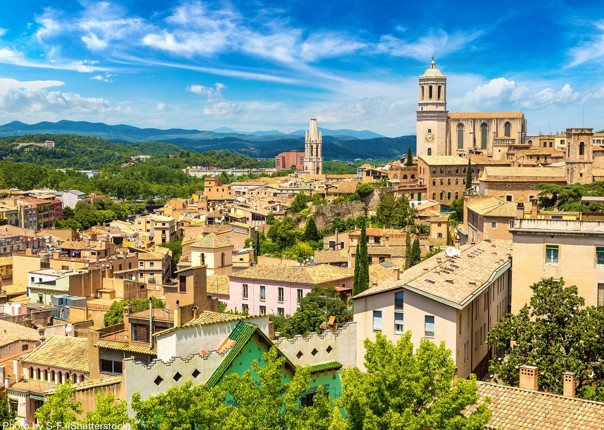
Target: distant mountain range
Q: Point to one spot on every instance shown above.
(337, 144)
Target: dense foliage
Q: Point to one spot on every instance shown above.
(115, 314)
(361, 264)
(456, 214)
(568, 198)
(176, 248)
(556, 333)
(315, 308)
(393, 212)
(85, 215)
(7, 415)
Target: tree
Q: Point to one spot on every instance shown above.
(108, 411)
(409, 161)
(415, 254)
(7, 416)
(394, 212)
(361, 265)
(265, 402)
(115, 314)
(363, 190)
(456, 214)
(183, 407)
(299, 202)
(406, 390)
(310, 230)
(60, 410)
(176, 248)
(556, 333)
(469, 175)
(407, 251)
(314, 310)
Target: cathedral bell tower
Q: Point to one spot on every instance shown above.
(313, 149)
(432, 113)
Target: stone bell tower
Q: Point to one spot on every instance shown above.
(579, 155)
(313, 149)
(432, 113)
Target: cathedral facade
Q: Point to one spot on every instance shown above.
(440, 132)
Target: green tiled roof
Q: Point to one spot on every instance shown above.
(322, 367)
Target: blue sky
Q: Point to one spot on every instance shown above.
(253, 65)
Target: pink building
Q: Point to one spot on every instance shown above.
(271, 289)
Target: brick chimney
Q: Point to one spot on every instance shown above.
(529, 379)
(569, 384)
(397, 274)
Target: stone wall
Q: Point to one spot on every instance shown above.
(338, 345)
(324, 215)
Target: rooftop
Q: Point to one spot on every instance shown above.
(11, 332)
(494, 207)
(443, 160)
(312, 275)
(218, 284)
(485, 115)
(212, 241)
(64, 352)
(560, 226)
(453, 281)
(522, 174)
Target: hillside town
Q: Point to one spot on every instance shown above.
(451, 245)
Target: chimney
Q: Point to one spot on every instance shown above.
(534, 208)
(18, 369)
(397, 273)
(520, 210)
(569, 384)
(42, 334)
(177, 317)
(529, 378)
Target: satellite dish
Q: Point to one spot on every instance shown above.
(452, 251)
(68, 329)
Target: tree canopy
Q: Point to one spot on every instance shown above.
(556, 333)
(403, 389)
(394, 212)
(115, 314)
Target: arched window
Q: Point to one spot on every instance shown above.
(404, 176)
(582, 148)
(52, 376)
(429, 151)
(413, 176)
(46, 375)
(395, 177)
(484, 129)
(448, 196)
(459, 136)
(530, 142)
(440, 88)
(422, 87)
(31, 373)
(430, 92)
(507, 129)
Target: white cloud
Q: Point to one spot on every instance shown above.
(221, 108)
(161, 107)
(209, 92)
(3, 31)
(108, 77)
(549, 96)
(497, 92)
(590, 49)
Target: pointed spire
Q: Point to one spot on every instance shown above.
(433, 63)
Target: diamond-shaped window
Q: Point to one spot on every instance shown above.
(329, 349)
(314, 352)
(177, 376)
(158, 380)
(196, 373)
(299, 355)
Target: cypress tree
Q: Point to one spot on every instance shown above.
(357, 263)
(407, 251)
(416, 255)
(310, 230)
(469, 175)
(361, 264)
(409, 157)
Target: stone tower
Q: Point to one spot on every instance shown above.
(432, 113)
(313, 149)
(579, 155)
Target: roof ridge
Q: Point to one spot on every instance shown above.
(544, 393)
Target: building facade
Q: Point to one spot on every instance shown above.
(289, 159)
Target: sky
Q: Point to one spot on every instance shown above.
(272, 65)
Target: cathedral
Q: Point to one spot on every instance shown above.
(313, 149)
(440, 132)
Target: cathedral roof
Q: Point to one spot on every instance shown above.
(432, 71)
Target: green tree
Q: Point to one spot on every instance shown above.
(176, 248)
(6, 414)
(310, 230)
(406, 390)
(183, 407)
(361, 270)
(299, 202)
(407, 251)
(265, 402)
(283, 233)
(315, 308)
(469, 175)
(364, 190)
(556, 333)
(60, 409)
(394, 212)
(456, 214)
(115, 314)
(409, 161)
(416, 255)
(108, 411)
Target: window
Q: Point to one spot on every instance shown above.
(511, 224)
(245, 308)
(281, 312)
(244, 291)
(429, 322)
(582, 148)
(507, 129)
(262, 292)
(493, 224)
(508, 198)
(182, 285)
(377, 320)
(398, 322)
(600, 255)
(262, 310)
(141, 264)
(551, 254)
(151, 264)
(460, 136)
(600, 294)
(429, 151)
(399, 300)
(110, 366)
(140, 332)
(300, 293)
(280, 294)
(484, 129)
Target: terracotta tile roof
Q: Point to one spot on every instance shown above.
(11, 332)
(443, 160)
(454, 281)
(70, 353)
(485, 115)
(14, 289)
(159, 314)
(209, 317)
(150, 256)
(518, 409)
(218, 284)
(139, 348)
(375, 231)
(479, 159)
(495, 207)
(92, 383)
(311, 275)
(522, 174)
(382, 272)
(212, 241)
(331, 256)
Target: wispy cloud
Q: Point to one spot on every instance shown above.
(10, 56)
(590, 49)
(209, 92)
(3, 31)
